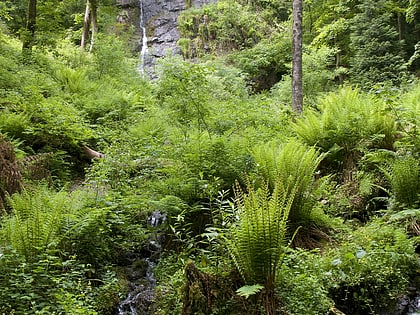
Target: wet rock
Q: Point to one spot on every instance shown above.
(160, 17)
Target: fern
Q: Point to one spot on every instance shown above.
(405, 181)
(40, 220)
(72, 80)
(257, 242)
(347, 124)
(295, 165)
(248, 290)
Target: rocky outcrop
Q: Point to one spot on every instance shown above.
(160, 19)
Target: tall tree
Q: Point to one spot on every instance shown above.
(297, 88)
(29, 38)
(90, 24)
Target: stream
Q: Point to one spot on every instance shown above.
(141, 295)
(142, 281)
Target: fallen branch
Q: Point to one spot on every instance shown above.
(92, 153)
(335, 311)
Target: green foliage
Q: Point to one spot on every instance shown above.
(407, 110)
(58, 124)
(47, 285)
(348, 123)
(38, 221)
(217, 158)
(170, 277)
(226, 25)
(248, 290)
(110, 57)
(257, 242)
(369, 270)
(266, 62)
(405, 182)
(52, 236)
(13, 124)
(72, 80)
(377, 47)
(184, 91)
(300, 283)
(294, 164)
(185, 46)
(409, 219)
(35, 111)
(229, 81)
(10, 175)
(319, 74)
(173, 143)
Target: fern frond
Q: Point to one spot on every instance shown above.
(41, 219)
(257, 242)
(405, 181)
(295, 165)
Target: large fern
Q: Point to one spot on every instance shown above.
(347, 123)
(257, 242)
(40, 219)
(295, 165)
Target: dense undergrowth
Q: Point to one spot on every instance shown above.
(266, 212)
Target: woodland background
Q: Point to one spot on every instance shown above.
(262, 210)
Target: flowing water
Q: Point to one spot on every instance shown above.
(140, 274)
(144, 48)
(141, 295)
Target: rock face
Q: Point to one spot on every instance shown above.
(160, 19)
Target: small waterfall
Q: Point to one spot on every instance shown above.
(144, 47)
(157, 218)
(141, 295)
(140, 273)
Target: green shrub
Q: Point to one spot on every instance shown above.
(14, 124)
(300, 285)
(219, 158)
(46, 285)
(226, 25)
(318, 76)
(56, 124)
(378, 53)
(370, 269)
(110, 57)
(407, 110)
(184, 92)
(38, 221)
(266, 62)
(170, 277)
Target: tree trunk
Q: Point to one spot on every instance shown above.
(90, 24)
(29, 39)
(86, 26)
(297, 89)
(94, 22)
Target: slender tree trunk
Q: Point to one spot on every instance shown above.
(400, 35)
(94, 23)
(29, 39)
(90, 24)
(297, 89)
(86, 26)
